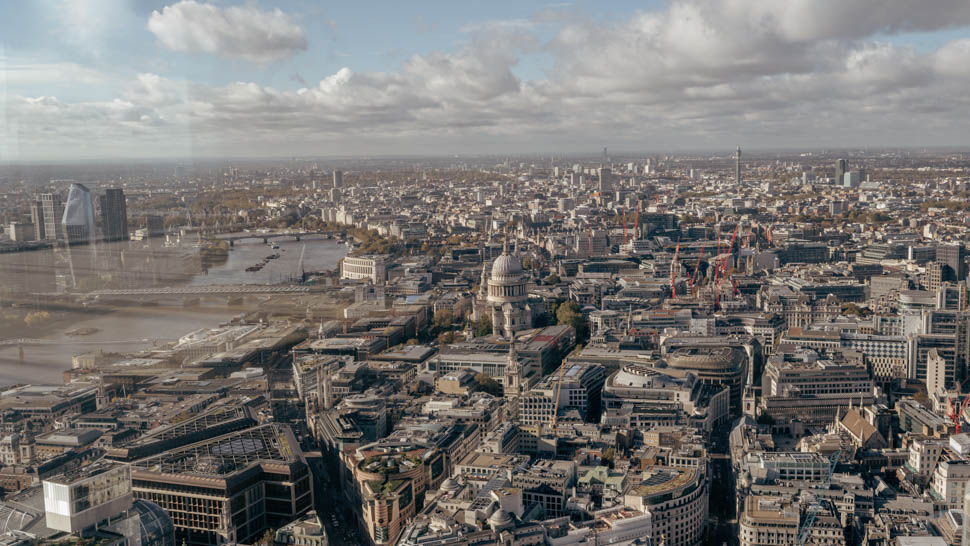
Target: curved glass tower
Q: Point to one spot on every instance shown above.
(78, 220)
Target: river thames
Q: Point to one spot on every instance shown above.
(130, 329)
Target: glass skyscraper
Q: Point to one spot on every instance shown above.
(78, 220)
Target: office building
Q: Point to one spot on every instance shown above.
(852, 179)
(75, 502)
(769, 519)
(678, 500)
(799, 385)
(714, 365)
(95, 505)
(338, 179)
(53, 211)
(20, 232)
(37, 219)
(228, 489)
(371, 268)
(954, 259)
(639, 396)
(388, 481)
(578, 390)
(605, 183)
(841, 166)
(114, 215)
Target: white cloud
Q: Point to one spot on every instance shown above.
(236, 31)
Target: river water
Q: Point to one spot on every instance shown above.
(131, 329)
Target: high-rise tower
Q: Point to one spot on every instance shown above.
(605, 184)
(52, 211)
(737, 167)
(841, 166)
(78, 220)
(37, 218)
(114, 215)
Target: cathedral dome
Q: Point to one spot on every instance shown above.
(506, 265)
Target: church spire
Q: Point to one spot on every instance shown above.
(513, 354)
(513, 373)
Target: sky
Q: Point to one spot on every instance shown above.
(141, 79)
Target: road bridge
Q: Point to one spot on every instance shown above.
(209, 290)
(266, 237)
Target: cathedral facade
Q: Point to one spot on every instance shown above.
(504, 296)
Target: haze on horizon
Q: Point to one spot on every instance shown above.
(125, 79)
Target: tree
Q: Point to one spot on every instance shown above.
(609, 455)
(483, 327)
(412, 341)
(446, 338)
(487, 384)
(443, 319)
(552, 279)
(36, 318)
(568, 313)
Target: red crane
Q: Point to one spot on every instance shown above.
(955, 416)
(717, 269)
(693, 275)
(958, 417)
(625, 240)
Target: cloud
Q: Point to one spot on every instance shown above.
(238, 32)
(696, 74)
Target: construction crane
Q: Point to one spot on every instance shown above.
(673, 272)
(956, 415)
(625, 239)
(636, 222)
(693, 275)
(722, 263)
(555, 404)
(813, 509)
(716, 268)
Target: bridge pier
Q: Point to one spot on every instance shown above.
(298, 238)
(232, 242)
(265, 240)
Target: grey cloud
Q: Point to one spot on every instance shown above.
(760, 72)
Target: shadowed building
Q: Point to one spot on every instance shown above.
(230, 488)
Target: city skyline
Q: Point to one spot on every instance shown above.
(119, 80)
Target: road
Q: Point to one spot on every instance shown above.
(339, 521)
(723, 496)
